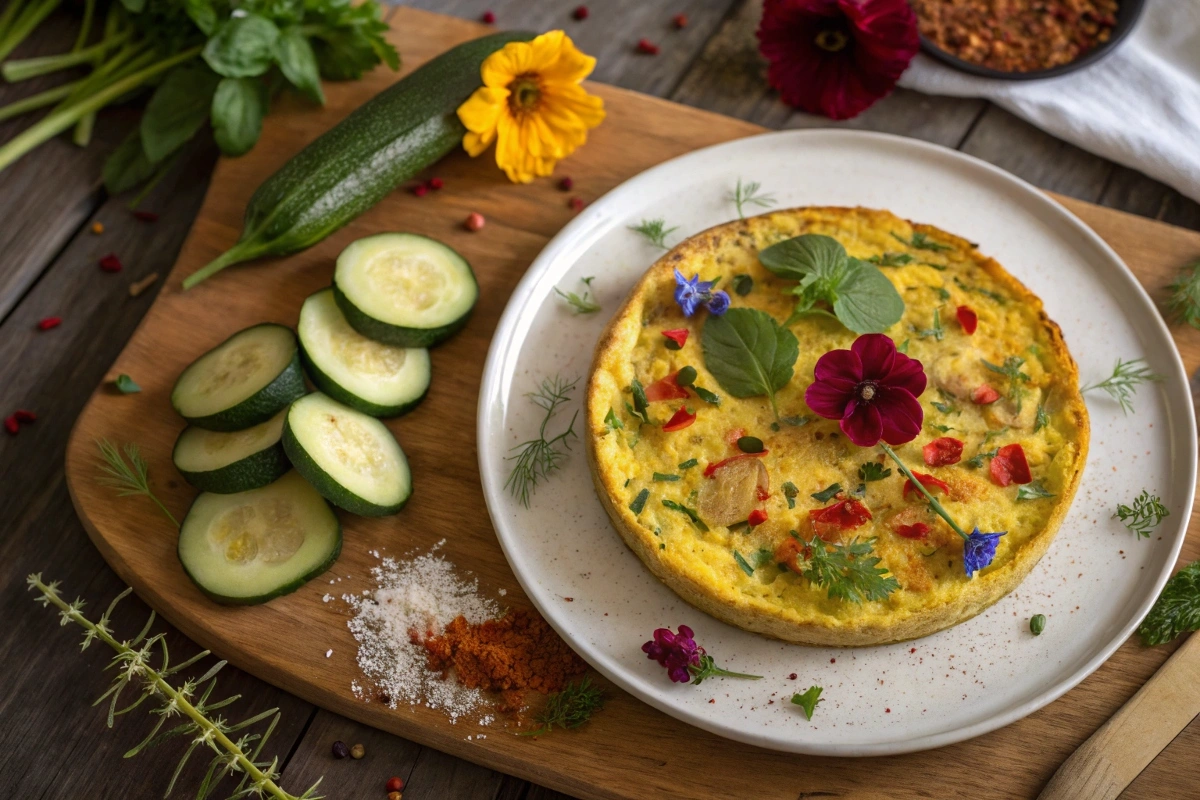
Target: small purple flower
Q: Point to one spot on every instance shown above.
(979, 549)
(718, 304)
(675, 651)
(692, 293)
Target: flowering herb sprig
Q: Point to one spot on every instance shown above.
(1144, 515)
(570, 708)
(125, 470)
(133, 664)
(750, 194)
(1123, 384)
(655, 230)
(872, 390)
(684, 660)
(692, 294)
(538, 458)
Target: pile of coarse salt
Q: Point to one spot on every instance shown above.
(414, 599)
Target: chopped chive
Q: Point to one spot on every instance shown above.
(691, 462)
(665, 476)
(790, 492)
(639, 502)
(741, 562)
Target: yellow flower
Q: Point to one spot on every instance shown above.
(532, 106)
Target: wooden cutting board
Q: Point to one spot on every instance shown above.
(629, 750)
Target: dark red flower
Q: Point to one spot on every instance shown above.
(836, 57)
(872, 389)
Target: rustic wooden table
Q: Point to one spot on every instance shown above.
(52, 742)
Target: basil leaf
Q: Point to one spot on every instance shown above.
(805, 255)
(299, 63)
(127, 166)
(238, 108)
(749, 353)
(177, 111)
(242, 47)
(203, 14)
(867, 302)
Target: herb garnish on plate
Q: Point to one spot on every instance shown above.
(538, 458)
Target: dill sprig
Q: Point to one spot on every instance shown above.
(540, 457)
(1123, 384)
(749, 194)
(846, 571)
(583, 304)
(570, 708)
(1144, 515)
(1011, 369)
(655, 230)
(133, 665)
(128, 473)
(1184, 302)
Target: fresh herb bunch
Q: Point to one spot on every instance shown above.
(570, 708)
(582, 303)
(1144, 515)
(1185, 295)
(126, 471)
(1177, 609)
(846, 571)
(1123, 384)
(538, 458)
(188, 702)
(210, 60)
(655, 230)
(750, 194)
(808, 699)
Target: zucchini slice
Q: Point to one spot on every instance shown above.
(232, 462)
(352, 459)
(377, 379)
(247, 548)
(403, 289)
(242, 382)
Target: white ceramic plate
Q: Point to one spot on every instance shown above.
(1094, 585)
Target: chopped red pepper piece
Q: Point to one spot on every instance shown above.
(716, 465)
(1009, 466)
(49, 322)
(984, 395)
(787, 553)
(110, 263)
(757, 517)
(11, 425)
(677, 335)
(968, 319)
(844, 515)
(917, 530)
(928, 481)
(943, 451)
(665, 389)
(25, 416)
(681, 419)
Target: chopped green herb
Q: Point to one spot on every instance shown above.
(921, 241)
(570, 708)
(639, 502)
(1123, 384)
(1041, 420)
(808, 700)
(126, 384)
(690, 512)
(743, 285)
(860, 490)
(1011, 369)
(745, 194)
(583, 304)
(945, 408)
(612, 422)
(1144, 515)
(1033, 491)
(891, 259)
(873, 471)
(691, 462)
(790, 492)
(640, 404)
(1177, 609)
(1037, 624)
(763, 557)
(712, 398)
(847, 572)
(795, 422)
(941, 428)
(937, 331)
(741, 562)
(999, 298)
(987, 437)
(665, 476)
(941, 291)
(655, 230)
(827, 494)
(977, 461)
(686, 376)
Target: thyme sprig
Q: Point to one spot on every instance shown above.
(1123, 384)
(655, 230)
(126, 471)
(583, 304)
(538, 458)
(570, 708)
(133, 666)
(1184, 302)
(750, 194)
(1144, 515)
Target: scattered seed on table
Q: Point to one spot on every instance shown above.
(489, 18)
(647, 47)
(575, 204)
(580, 13)
(566, 184)
(137, 287)
(394, 784)
(49, 322)
(11, 425)
(436, 183)
(145, 216)
(421, 190)
(340, 750)
(97, 227)
(110, 263)
(24, 416)
(474, 222)
(680, 20)
(395, 796)
(358, 751)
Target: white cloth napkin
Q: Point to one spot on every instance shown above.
(1138, 106)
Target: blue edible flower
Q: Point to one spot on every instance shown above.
(979, 549)
(718, 304)
(692, 293)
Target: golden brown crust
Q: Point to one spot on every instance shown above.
(724, 601)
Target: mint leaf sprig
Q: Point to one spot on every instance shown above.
(1144, 515)
(1127, 377)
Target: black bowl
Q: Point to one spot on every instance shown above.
(1128, 12)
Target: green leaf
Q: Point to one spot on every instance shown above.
(867, 302)
(242, 47)
(612, 422)
(1177, 609)
(356, 45)
(1033, 491)
(238, 108)
(299, 63)
(177, 110)
(639, 502)
(690, 512)
(660, 477)
(691, 462)
(127, 166)
(808, 700)
(790, 491)
(847, 572)
(741, 562)
(749, 353)
(802, 256)
(126, 384)
(827, 494)
(203, 14)
(873, 471)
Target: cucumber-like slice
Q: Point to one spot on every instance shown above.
(404, 289)
(351, 458)
(377, 379)
(244, 381)
(237, 461)
(249, 547)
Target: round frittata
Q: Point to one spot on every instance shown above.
(726, 508)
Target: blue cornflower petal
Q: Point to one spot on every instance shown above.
(718, 304)
(691, 293)
(979, 549)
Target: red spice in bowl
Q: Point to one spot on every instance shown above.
(1016, 35)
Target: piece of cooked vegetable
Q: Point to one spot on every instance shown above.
(377, 379)
(351, 167)
(350, 458)
(242, 382)
(404, 289)
(237, 461)
(250, 547)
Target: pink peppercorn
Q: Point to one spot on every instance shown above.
(566, 184)
(488, 17)
(580, 13)
(25, 416)
(474, 221)
(394, 784)
(420, 191)
(110, 263)
(435, 183)
(647, 47)
(575, 204)
(49, 322)
(11, 425)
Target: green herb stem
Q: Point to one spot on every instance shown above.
(26, 68)
(36, 101)
(8, 16)
(30, 17)
(62, 119)
(933, 502)
(85, 27)
(242, 251)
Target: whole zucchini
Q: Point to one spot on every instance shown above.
(354, 165)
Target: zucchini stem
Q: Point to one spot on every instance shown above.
(25, 68)
(235, 255)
